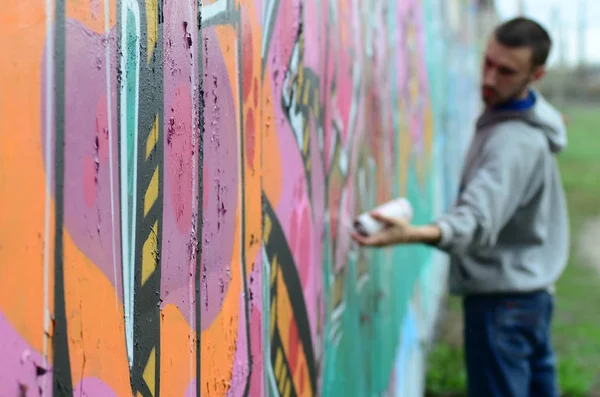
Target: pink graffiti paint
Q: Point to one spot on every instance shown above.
(26, 369)
(190, 391)
(93, 387)
(256, 329)
(301, 239)
(247, 55)
(250, 133)
(313, 289)
(220, 180)
(178, 167)
(87, 178)
(180, 140)
(282, 40)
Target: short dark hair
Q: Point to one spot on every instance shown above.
(524, 32)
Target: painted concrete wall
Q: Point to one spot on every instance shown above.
(177, 182)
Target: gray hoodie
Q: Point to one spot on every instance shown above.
(509, 230)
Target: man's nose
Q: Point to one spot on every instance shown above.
(489, 77)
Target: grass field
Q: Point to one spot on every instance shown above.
(576, 328)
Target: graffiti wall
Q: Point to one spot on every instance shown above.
(452, 50)
(177, 183)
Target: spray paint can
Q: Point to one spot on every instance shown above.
(365, 225)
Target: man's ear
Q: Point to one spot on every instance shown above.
(538, 73)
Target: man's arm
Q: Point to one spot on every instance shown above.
(489, 200)
(427, 234)
(399, 231)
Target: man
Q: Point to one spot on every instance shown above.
(507, 234)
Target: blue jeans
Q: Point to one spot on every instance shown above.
(508, 348)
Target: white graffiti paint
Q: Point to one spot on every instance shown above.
(269, 14)
(214, 9)
(129, 125)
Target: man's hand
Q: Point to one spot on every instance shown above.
(399, 231)
(395, 231)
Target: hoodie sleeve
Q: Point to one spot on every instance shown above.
(491, 197)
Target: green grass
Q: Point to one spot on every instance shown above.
(576, 327)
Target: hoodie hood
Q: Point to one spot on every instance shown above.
(541, 115)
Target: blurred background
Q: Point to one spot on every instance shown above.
(575, 60)
(573, 85)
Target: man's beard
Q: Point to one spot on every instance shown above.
(510, 97)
